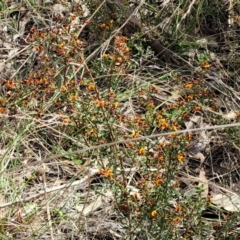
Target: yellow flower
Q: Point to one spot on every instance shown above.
(120, 59)
(181, 157)
(175, 127)
(135, 134)
(92, 132)
(126, 50)
(163, 124)
(154, 214)
(105, 56)
(116, 105)
(141, 151)
(106, 172)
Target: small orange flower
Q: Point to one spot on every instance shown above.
(11, 84)
(41, 34)
(189, 136)
(181, 101)
(135, 134)
(92, 132)
(176, 220)
(103, 25)
(106, 172)
(38, 48)
(2, 110)
(100, 103)
(47, 90)
(151, 104)
(62, 45)
(120, 59)
(163, 124)
(126, 50)
(176, 127)
(197, 109)
(73, 17)
(178, 208)
(141, 151)
(79, 42)
(206, 65)
(141, 92)
(91, 87)
(153, 88)
(161, 158)
(46, 58)
(190, 97)
(158, 181)
(172, 135)
(111, 21)
(66, 120)
(159, 147)
(33, 29)
(181, 157)
(188, 85)
(154, 214)
(105, 56)
(111, 94)
(63, 88)
(73, 97)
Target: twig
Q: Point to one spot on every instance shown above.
(47, 203)
(148, 137)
